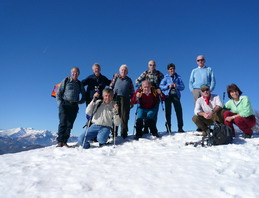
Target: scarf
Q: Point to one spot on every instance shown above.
(207, 99)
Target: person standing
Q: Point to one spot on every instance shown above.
(123, 89)
(208, 109)
(239, 111)
(153, 76)
(68, 100)
(171, 85)
(199, 76)
(95, 84)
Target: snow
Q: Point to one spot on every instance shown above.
(146, 168)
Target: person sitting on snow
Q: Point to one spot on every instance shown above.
(104, 114)
(148, 98)
(208, 108)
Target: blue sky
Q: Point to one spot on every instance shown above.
(41, 40)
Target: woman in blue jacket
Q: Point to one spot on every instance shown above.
(171, 85)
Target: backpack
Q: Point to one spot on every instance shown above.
(221, 134)
(56, 87)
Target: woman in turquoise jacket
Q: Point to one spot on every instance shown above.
(239, 111)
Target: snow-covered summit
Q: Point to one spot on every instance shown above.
(148, 168)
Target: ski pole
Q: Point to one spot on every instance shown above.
(166, 123)
(86, 131)
(114, 131)
(135, 121)
(88, 124)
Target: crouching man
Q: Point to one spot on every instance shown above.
(208, 108)
(148, 99)
(104, 114)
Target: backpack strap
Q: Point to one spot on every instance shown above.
(88, 122)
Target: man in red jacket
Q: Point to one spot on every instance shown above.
(148, 99)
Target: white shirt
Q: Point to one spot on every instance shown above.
(201, 106)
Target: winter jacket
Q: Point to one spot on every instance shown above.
(154, 77)
(148, 101)
(104, 115)
(95, 84)
(122, 86)
(242, 107)
(168, 80)
(200, 76)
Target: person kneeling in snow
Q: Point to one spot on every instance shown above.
(104, 114)
(148, 99)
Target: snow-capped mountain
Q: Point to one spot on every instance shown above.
(21, 139)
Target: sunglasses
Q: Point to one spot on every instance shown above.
(203, 90)
(200, 60)
(152, 65)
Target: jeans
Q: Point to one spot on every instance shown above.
(101, 132)
(147, 113)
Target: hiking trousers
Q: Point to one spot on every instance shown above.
(244, 123)
(204, 123)
(177, 107)
(124, 111)
(67, 115)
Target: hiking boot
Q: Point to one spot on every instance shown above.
(247, 135)
(145, 131)
(204, 133)
(156, 135)
(124, 135)
(66, 145)
(101, 145)
(137, 137)
(180, 130)
(60, 144)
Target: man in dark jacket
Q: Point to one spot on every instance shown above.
(95, 84)
(68, 100)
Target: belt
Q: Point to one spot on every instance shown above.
(70, 102)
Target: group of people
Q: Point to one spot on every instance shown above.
(108, 102)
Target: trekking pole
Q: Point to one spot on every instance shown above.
(135, 121)
(86, 131)
(224, 97)
(88, 125)
(166, 123)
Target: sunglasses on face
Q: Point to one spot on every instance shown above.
(200, 60)
(152, 65)
(203, 90)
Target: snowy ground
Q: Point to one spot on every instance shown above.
(146, 168)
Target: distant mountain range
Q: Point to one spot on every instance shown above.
(23, 139)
